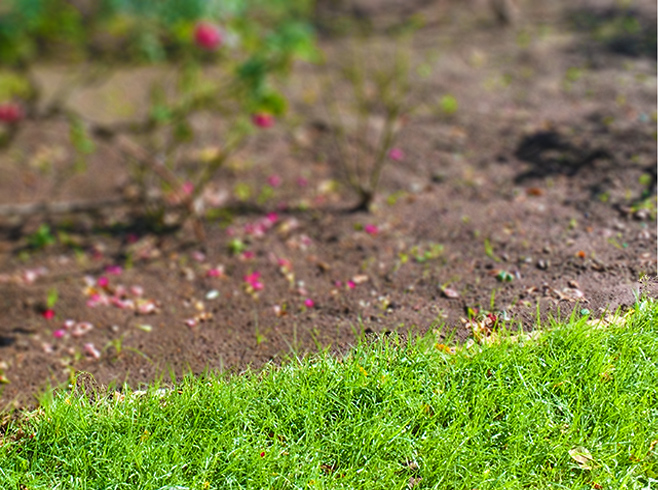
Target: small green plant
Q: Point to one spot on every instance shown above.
(52, 298)
(41, 238)
(448, 105)
(365, 124)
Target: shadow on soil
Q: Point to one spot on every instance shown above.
(617, 30)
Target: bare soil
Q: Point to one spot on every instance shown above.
(536, 198)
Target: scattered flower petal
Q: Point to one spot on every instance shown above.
(263, 120)
(396, 154)
(309, 303)
(274, 180)
(450, 293)
(48, 314)
(90, 350)
(215, 272)
(371, 229)
(59, 333)
(114, 270)
(11, 113)
(81, 329)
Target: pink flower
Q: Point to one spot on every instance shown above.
(263, 120)
(48, 314)
(59, 333)
(187, 188)
(371, 229)
(351, 284)
(114, 270)
(309, 303)
(11, 113)
(274, 180)
(272, 217)
(207, 36)
(396, 154)
(103, 282)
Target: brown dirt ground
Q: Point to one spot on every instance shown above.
(552, 146)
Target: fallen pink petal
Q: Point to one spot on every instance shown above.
(263, 120)
(103, 282)
(191, 322)
(309, 303)
(11, 112)
(274, 180)
(48, 314)
(215, 272)
(198, 256)
(114, 270)
(371, 229)
(253, 277)
(81, 329)
(59, 333)
(396, 154)
(146, 307)
(92, 351)
(137, 290)
(351, 284)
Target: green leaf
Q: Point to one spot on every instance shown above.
(448, 104)
(52, 298)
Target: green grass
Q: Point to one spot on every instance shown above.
(390, 415)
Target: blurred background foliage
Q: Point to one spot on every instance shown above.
(260, 37)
